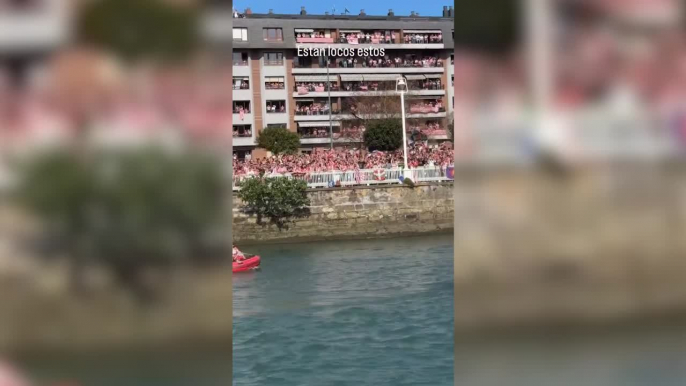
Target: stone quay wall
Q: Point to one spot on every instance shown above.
(354, 213)
(599, 244)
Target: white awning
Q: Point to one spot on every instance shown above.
(274, 79)
(414, 77)
(381, 77)
(314, 78)
(304, 30)
(423, 31)
(351, 78)
(350, 30)
(319, 124)
(433, 76)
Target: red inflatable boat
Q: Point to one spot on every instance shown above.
(248, 264)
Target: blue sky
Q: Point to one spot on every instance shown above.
(318, 7)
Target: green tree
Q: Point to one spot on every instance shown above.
(384, 135)
(278, 199)
(487, 25)
(138, 29)
(278, 140)
(131, 212)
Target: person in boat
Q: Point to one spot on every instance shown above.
(238, 256)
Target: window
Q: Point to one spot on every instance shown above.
(273, 59)
(240, 34)
(241, 83)
(272, 34)
(240, 58)
(278, 106)
(242, 131)
(452, 59)
(277, 125)
(242, 155)
(241, 107)
(452, 80)
(274, 83)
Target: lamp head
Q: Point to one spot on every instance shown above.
(401, 84)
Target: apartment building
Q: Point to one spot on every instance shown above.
(274, 86)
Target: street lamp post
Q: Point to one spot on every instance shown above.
(328, 86)
(401, 87)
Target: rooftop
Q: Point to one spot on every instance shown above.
(448, 15)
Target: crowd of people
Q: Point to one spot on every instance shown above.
(311, 35)
(305, 87)
(376, 37)
(427, 106)
(389, 62)
(241, 84)
(274, 85)
(428, 128)
(312, 109)
(242, 131)
(313, 132)
(416, 38)
(326, 160)
(241, 108)
(84, 93)
(276, 107)
(426, 84)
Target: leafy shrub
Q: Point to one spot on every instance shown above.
(384, 135)
(278, 199)
(408, 182)
(278, 140)
(128, 211)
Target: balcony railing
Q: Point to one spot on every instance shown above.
(313, 40)
(305, 90)
(426, 109)
(240, 62)
(316, 112)
(273, 62)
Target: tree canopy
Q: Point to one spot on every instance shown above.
(384, 135)
(137, 29)
(278, 140)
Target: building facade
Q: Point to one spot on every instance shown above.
(276, 85)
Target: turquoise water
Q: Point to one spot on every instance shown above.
(346, 313)
(638, 354)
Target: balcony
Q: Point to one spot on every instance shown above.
(243, 141)
(315, 40)
(368, 70)
(391, 46)
(41, 26)
(316, 116)
(334, 94)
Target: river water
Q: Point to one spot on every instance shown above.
(380, 313)
(376, 312)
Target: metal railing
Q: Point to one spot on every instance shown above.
(363, 177)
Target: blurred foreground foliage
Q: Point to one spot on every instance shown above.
(140, 29)
(278, 199)
(129, 210)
